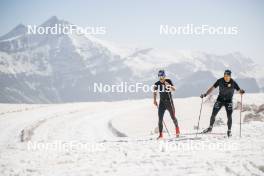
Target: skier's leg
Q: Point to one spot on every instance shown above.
(216, 109)
(170, 107)
(161, 112)
(229, 111)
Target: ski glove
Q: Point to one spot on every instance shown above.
(203, 95)
(242, 91)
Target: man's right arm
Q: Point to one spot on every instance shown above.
(210, 90)
(216, 84)
(155, 95)
(155, 98)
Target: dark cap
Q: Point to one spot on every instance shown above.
(228, 72)
(161, 73)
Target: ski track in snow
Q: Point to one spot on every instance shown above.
(101, 124)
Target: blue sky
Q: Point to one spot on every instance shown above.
(137, 22)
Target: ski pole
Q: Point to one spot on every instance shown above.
(172, 106)
(240, 117)
(165, 125)
(166, 128)
(199, 117)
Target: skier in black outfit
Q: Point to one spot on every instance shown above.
(164, 86)
(226, 91)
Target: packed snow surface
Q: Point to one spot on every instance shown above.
(118, 138)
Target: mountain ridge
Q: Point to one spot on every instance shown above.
(61, 68)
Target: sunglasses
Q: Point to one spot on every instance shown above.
(161, 77)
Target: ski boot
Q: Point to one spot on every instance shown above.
(177, 131)
(229, 134)
(208, 130)
(160, 136)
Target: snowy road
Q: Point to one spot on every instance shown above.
(96, 126)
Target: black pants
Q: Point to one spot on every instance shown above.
(229, 110)
(163, 106)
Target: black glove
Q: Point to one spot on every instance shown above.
(242, 91)
(203, 95)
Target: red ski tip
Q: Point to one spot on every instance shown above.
(160, 136)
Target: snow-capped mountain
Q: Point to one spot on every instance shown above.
(49, 68)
